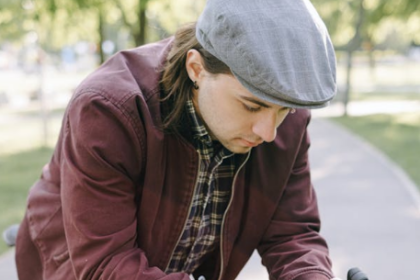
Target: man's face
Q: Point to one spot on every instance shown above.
(234, 116)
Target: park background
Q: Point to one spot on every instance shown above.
(47, 47)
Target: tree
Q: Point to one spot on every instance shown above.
(354, 25)
(354, 43)
(104, 12)
(137, 26)
(97, 8)
(65, 22)
(13, 20)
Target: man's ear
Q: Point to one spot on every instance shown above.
(194, 65)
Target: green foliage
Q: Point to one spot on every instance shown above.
(341, 18)
(18, 172)
(13, 20)
(170, 14)
(65, 22)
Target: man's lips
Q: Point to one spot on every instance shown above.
(250, 143)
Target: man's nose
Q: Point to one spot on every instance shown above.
(266, 126)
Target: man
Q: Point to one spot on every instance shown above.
(179, 158)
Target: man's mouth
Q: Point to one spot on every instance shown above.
(250, 143)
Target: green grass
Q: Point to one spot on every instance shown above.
(21, 160)
(398, 136)
(18, 172)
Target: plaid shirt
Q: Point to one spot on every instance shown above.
(211, 196)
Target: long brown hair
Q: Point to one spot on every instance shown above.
(175, 80)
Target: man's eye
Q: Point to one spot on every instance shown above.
(252, 109)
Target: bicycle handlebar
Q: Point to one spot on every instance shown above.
(356, 274)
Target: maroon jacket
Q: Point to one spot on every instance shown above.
(113, 201)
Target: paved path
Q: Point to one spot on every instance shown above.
(370, 210)
(7, 266)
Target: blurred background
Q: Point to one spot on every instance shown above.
(47, 47)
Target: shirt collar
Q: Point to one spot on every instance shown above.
(198, 128)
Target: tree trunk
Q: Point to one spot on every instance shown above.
(41, 95)
(137, 31)
(101, 29)
(348, 81)
(140, 37)
(352, 46)
(372, 62)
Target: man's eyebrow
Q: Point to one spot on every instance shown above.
(250, 99)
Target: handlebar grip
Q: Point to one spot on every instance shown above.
(356, 274)
(10, 234)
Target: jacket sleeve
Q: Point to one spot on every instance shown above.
(291, 247)
(101, 165)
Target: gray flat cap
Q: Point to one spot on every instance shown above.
(279, 50)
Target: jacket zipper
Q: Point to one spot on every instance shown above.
(224, 216)
(189, 209)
